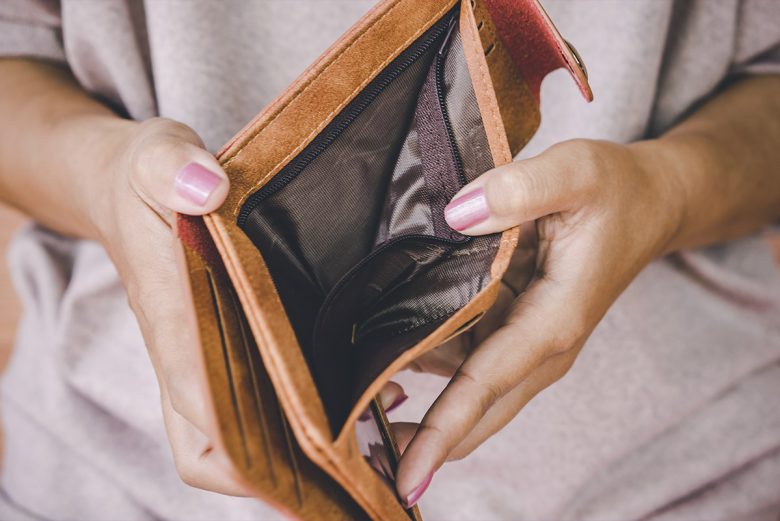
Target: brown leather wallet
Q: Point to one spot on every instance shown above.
(330, 267)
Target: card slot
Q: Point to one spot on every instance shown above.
(296, 472)
(253, 361)
(228, 367)
(247, 414)
(246, 357)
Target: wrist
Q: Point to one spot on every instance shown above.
(665, 180)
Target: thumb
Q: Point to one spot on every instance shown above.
(172, 172)
(515, 193)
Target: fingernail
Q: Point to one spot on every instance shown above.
(196, 183)
(467, 210)
(397, 402)
(417, 492)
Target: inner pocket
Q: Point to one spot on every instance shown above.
(353, 229)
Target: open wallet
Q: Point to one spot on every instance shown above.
(330, 267)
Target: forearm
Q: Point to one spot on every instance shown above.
(54, 140)
(723, 163)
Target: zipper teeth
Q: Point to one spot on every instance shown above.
(446, 117)
(279, 182)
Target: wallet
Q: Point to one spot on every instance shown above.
(330, 267)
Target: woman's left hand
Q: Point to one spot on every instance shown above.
(603, 211)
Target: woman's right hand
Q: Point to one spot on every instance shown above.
(73, 165)
(152, 170)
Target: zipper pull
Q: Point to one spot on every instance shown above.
(445, 44)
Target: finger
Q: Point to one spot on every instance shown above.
(544, 321)
(178, 366)
(502, 412)
(519, 192)
(173, 172)
(391, 396)
(197, 461)
(505, 409)
(165, 323)
(404, 433)
(448, 357)
(495, 317)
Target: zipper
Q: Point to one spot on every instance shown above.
(441, 56)
(338, 126)
(449, 243)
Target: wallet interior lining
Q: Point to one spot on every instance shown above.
(352, 229)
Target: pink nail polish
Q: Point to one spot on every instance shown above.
(397, 402)
(467, 210)
(417, 492)
(196, 183)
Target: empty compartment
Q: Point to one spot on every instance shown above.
(353, 231)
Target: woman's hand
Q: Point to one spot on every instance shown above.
(154, 169)
(119, 182)
(602, 211)
(151, 170)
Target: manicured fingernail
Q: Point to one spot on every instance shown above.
(196, 183)
(467, 210)
(397, 402)
(417, 492)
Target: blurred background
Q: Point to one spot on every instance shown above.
(10, 221)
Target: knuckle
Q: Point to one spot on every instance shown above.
(584, 151)
(590, 158)
(560, 348)
(459, 453)
(165, 147)
(507, 191)
(146, 157)
(486, 392)
(430, 429)
(565, 366)
(568, 339)
(154, 125)
(164, 127)
(162, 142)
(437, 438)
